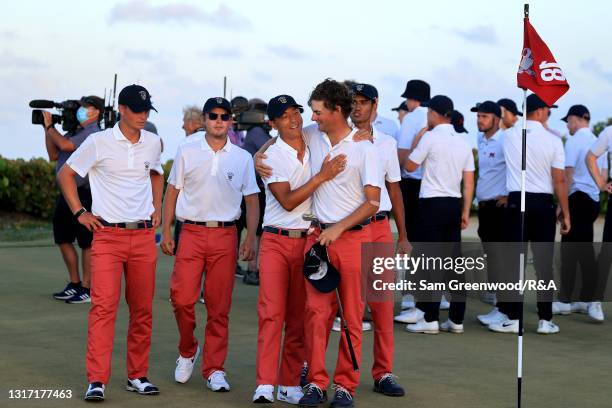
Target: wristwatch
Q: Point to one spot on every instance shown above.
(79, 212)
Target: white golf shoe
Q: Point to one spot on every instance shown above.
(506, 326)
(289, 394)
(408, 302)
(451, 327)
(184, 367)
(547, 327)
(423, 326)
(580, 307)
(264, 394)
(217, 382)
(444, 304)
(596, 312)
(409, 316)
(494, 316)
(561, 308)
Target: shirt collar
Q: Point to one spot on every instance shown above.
(534, 125)
(585, 130)
(121, 137)
(495, 136)
(91, 127)
(205, 146)
(444, 127)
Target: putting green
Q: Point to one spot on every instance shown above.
(43, 347)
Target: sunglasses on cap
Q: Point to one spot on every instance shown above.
(224, 116)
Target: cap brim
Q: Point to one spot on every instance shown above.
(565, 118)
(141, 108)
(519, 113)
(474, 109)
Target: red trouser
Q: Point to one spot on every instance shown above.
(281, 302)
(214, 250)
(116, 251)
(345, 255)
(382, 307)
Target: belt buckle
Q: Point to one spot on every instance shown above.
(294, 234)
(212, 224)
(131, 225)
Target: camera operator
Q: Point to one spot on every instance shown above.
(65, 227)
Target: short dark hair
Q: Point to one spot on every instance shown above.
(333, 93)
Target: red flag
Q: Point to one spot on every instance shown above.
(538, 70)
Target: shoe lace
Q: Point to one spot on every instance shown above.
(217, 375)
(342, 392)
(390, 377)
(310, 389)
(183, 362)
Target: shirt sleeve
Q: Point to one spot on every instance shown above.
(157, 166)
(249, 183)
(278, 172)
(177, 173)
(84, 158)
(559, 156)
(469, 162)
(370, 170)
(393, 172)
(600, 146)
(420, 152)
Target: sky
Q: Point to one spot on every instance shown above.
(181, 50)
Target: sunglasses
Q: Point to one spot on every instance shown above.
(224, 116)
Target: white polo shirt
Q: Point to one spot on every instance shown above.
(386, 126)
(212, 183)
(544, 152)
(444, 156)
(576, 149)
(336, 199)
(603, 144)
(491, 167)
(411, 125)
(283, 159)
(386, 148)
(119, 173)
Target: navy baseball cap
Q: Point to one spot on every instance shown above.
(534, 103)
(441, 104)
(367, 90)
(136, 97)
(217, 102)
(487, 107)
(578, 110)
(457, 122)
(510, 106)
(402, 106)
(279, 104)
(418, 90)
(319, 271)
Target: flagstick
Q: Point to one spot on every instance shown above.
(522, 253)
(519, 383)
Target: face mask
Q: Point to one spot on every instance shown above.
(82, 114)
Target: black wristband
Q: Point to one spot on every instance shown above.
(80, 212)
(50, 126)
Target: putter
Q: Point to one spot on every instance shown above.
(315, 221)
